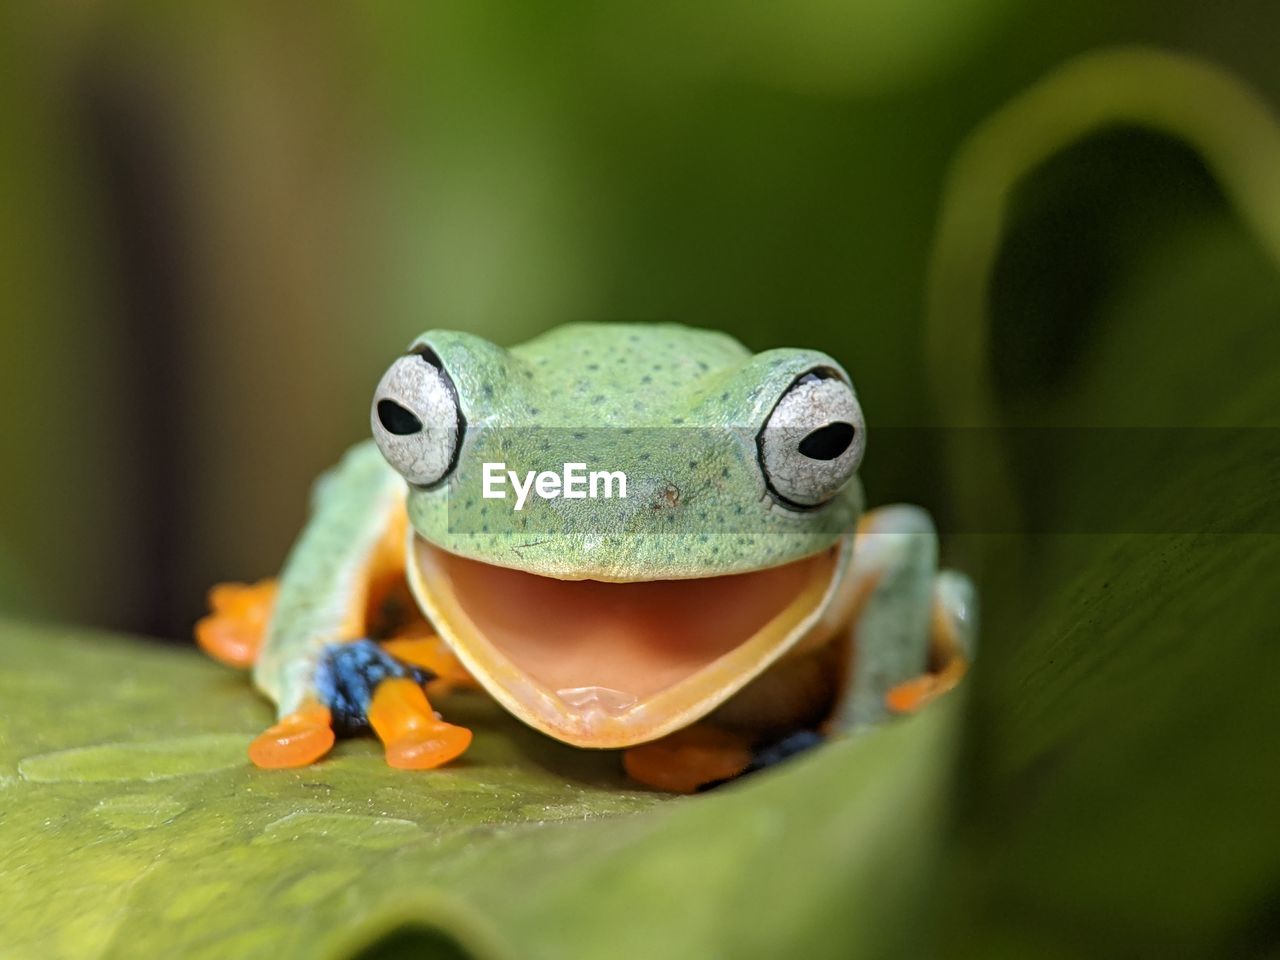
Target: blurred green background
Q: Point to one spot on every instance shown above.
(220, 222)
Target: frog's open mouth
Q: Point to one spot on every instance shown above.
(599, 664)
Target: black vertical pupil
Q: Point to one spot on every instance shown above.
(396, 419)
(827, 443)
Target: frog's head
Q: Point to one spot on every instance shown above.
(606, 621)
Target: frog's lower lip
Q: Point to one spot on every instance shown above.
(599, 664)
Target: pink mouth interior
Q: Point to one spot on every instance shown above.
(631, 639)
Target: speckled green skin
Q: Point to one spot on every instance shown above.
(677, 409)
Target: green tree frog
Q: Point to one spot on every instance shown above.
(690, 576)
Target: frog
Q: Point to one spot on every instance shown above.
(728, 603)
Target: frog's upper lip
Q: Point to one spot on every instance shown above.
(599, 664)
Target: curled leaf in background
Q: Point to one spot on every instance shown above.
(1117, 796)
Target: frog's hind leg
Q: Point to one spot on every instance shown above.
(236, 625)
(913, 635)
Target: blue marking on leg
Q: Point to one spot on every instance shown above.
(774, 752)
(784, 749)
(348, 675)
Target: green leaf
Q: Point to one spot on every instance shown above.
(134, 826)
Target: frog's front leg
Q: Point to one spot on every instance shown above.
(360, 686)
(913, 628)
(903, 635)
(315, 660)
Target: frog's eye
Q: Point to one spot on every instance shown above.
(416, 419)
(813, 440)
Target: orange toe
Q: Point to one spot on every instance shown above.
(299, 739)
(415, 739)
(234, 630)
(688, 759)
(428, 749)
(911, 695)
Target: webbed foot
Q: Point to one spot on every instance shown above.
(362, 686)
(299, 739)
(689, 760)
(414, 737)
(233, 631)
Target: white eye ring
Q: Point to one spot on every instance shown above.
(813, 440)
(416, 420)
